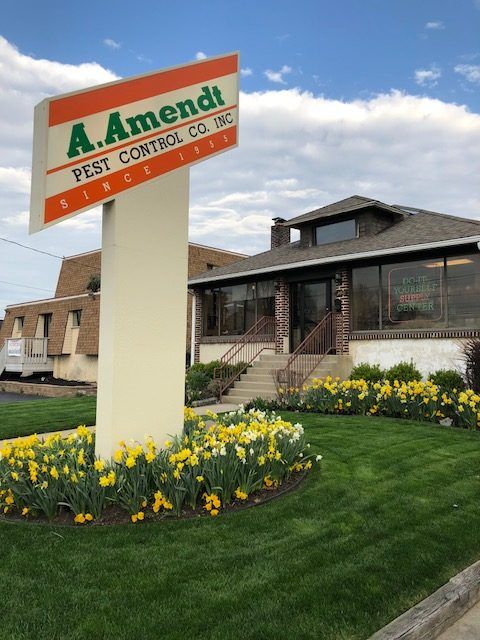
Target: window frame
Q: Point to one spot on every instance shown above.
(331, 224)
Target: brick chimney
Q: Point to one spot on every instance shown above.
(280, 234)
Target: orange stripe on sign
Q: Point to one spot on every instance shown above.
(94, 192)
(95, 100)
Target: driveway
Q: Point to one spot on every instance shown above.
(16, 397)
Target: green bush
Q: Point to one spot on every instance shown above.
(448, 379)
(205, 367)
(403, 372)
(367, 372)
(471, 353)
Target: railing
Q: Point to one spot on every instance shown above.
(244, 352)
(26, 351)
(308, 355)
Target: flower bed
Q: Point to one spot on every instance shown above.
(207, 468)
(414, 400)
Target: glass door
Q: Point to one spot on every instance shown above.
(310, 303)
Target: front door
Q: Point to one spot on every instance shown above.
(311, 301)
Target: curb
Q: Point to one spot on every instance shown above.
(429, 618)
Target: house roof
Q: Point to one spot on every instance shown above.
(414, 232)
(352, 203)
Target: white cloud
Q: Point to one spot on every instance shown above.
(246, 72)
(470, 72)
(111, 44)
(277, 76)
(435, 25)
(200, 55)
(297, 151)
(428, 77)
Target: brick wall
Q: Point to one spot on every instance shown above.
(87, 339)
(279, 235)
(75, 274)
(198, 324)
(282, 314)
(342, 292)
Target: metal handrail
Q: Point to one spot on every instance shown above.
(309, 353)
(241, 355)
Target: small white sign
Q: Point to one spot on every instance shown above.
(14, 348)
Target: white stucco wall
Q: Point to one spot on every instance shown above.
(429, 354)
(215, 350)
(76, 367)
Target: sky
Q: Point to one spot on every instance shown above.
(364, 97)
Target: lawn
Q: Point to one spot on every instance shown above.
(40, 416)
(391, 515)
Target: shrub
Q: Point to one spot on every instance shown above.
(368, 372)
(205, 367)
(94, 283)
(471, 354)
(403, 372)
(204, 468)
(447, 379)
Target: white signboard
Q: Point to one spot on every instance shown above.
(93, 144)
(14, 348)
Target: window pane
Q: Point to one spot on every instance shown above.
(266, 289)
(232, 309)
(463, 279)
(336, 231)
(365, 299)
(210, 312)
(413, 295)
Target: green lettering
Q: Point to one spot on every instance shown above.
(79, 142)
(182, 107)
(205, 100)
(168, 114)
(218, 96)
(146, 121)
(115, 129)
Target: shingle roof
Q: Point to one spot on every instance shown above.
(346, 205)
(421, 228)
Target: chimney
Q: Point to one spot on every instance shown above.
(280, 234)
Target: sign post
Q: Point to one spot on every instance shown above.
(128, 145)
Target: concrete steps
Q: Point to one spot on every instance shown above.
(259, 379)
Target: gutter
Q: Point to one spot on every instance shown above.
(348, 257)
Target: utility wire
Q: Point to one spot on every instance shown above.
(25, 286)
(46, 253)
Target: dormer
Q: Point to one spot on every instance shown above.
(351, 218)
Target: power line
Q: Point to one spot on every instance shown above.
(47, 253)
(25, 286)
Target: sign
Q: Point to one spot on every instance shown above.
(93, 144)
(415, 291)
(14, 347)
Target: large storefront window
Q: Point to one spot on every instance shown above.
(423, 294)
(412, 295)
(365, 298)
(230, 311)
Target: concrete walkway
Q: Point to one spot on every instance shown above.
(201, 411)
(467, 628)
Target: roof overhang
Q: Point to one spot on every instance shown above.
(312, 216)
(348, 257)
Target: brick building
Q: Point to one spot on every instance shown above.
(400, 283)
(70, 320)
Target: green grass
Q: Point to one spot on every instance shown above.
(392, 514)
(40, 416)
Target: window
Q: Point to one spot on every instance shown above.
(47, 321)
(412, 295)
(463, 282)
(76, 317)
(233, 310)
(18, 327)
(433, 293)
(365, 298)
(336, 231)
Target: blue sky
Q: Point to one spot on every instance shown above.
(343, 49)
(372, 97)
